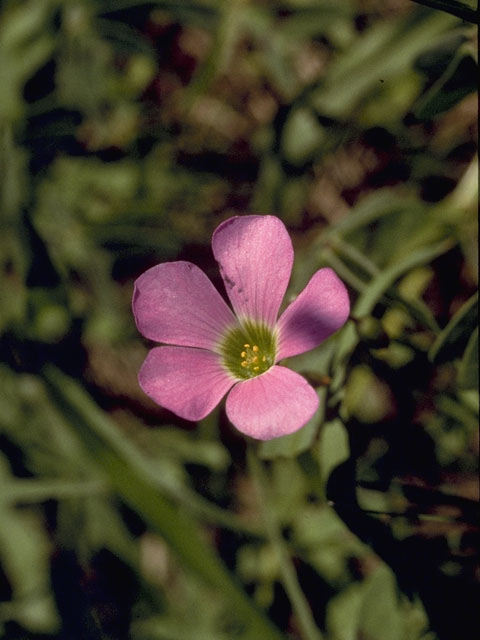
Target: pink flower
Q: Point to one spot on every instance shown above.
(214, 351)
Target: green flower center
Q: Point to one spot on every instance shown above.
(249, 351)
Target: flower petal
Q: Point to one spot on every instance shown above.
(255, 255)
(189, 382)
(274, 404)
(319, 310)
(176, 303)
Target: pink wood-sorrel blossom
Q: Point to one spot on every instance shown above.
(213, 351)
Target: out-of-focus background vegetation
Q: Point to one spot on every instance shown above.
(128, 131)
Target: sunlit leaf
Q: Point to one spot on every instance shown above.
(386, 278)
(381, 617)
(333, 447)
(468, 368)
(453, 339)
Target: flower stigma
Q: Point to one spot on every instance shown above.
(249, 351)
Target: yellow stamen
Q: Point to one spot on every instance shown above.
(255, 348)
(256, 368)
(243, 354)
(244, 363)
(247, 346)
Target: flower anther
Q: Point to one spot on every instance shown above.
(249, 351)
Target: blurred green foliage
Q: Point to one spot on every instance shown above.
(128, 130)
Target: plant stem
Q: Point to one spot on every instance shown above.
(134, 485)
(297, 598)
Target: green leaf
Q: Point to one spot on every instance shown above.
(333, 447)
(367, 397)
(174, 443)
(453, 339)
(343, 613)
(24, 553)
(22, 23)
(468, 368)
(230, 28)
(25, 44)
(467, 10)
(379, 285)
(371, 208)
(456, 82)
(302, 136)
(165, 627)
(384, 52)
(134, 485)
(309, 20)
(380, 617)
(179, 9)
